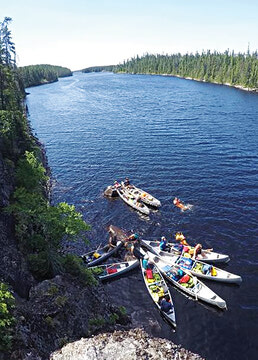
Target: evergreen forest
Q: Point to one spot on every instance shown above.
(99, 68)
(33, 75)
(39, 227)
(222, 68)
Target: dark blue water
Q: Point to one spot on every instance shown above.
(172, 137)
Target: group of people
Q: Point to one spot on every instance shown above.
(193, 251)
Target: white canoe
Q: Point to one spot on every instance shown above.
(109, 271)
(205, 256)
(145, 197)
(197, 268)
(158, 289)
(97, 256)
(196, 288)
(132, 201)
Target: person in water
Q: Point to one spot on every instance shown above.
(176, 201)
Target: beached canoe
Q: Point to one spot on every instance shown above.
(99, 255)
(144, 196)
(186, 282)
(132, 201)
(205, 255)
(109, 271)
(158, 290)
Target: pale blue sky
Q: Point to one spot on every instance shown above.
(81, 33)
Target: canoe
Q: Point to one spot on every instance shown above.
(196, 267)
(144, 196)
(158, 289)
(132, 201)
(99, 255)
(205, 255)
(193, 287)
(109, 271)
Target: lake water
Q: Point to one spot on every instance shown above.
(171, 137)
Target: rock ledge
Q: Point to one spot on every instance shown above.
(120, 345)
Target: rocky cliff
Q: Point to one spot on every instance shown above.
(134, 344)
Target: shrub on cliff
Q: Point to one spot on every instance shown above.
(6, 317)
(40, 227)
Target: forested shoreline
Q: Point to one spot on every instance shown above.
(240, 70)
(33, 75)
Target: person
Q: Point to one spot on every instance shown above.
(176, 201)
(145, 262)
(163, 244)
(112, 241)
(136, 250)
(126, 182)
(165, 305)
(181, 238)
(133, 237)
(197, 250)
(116, 184)
(128, 243)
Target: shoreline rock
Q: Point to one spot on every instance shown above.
(123, 345)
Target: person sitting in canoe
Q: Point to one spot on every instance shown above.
(116, 184)
(131, 240)
(163, 244)
(181, 238)
(112, 241)
(126, 182)
(165, 305)
(136, 250)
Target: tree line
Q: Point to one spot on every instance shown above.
(40, 227)
(99, 68)
(33, 75)
(223, 68)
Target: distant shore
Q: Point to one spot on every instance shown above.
(240, 87)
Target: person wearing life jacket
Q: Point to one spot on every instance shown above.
(176, 201)
(197, 250)
(131, 240)
(116, 184)
(163, 244)
(126, 182)
(165, 305)
(181, 238)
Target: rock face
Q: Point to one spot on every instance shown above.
(60, 310)
(123, 345)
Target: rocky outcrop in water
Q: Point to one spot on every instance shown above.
(123, 345)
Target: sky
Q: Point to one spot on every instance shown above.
(82, 33)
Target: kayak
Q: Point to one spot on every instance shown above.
(206, 256)
(158, 290)
(132, 201)
(186, 282)
(109, 271)
(144, 196)
(198, 268)
(99, 255)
